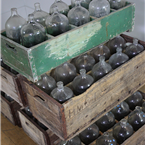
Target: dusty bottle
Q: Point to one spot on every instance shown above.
(101, 69)
(13, 25)
(143, 107)
(136, 118)
(118, 58)
(39, 15)
(106, 122)
(84, 62)
(117, 4)
(99, 51)
(61, 93)
(65, 73)
(82, 82)
(47, 83)
(121, 110)
(84, 3)
(135, 100)
(122, 130)
(89, 134)
(115, 43)
(106, 139)
(78, 15)
(134, 49)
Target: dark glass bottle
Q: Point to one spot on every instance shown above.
(134, 49)
(136, 118)
(47, 83)
(121, 110)
(106, 122)
(65, 73)
(118, 58)
(106, 139)
(101, 69)
(84, 62)
(74, 141)
(82, 82)
(122, 130)
(135, 100)
(115, 43)
(62, 93)
(89, 134)
(99, 51)
(143, 107)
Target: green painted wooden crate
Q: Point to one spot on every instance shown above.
(35, 61)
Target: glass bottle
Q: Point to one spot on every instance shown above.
(117, 4)
(63, 8)
(82, 82)
(121, 110)
(135, 100)
(39, 15)
(101, 69)
(134, 49)
(46, 83)
(99, 8)
(62, 143)
(74, 141)
(143, 107)
(84, 62)
(106, 139)
(106, 122)
(65, 73)
(122, 130)
(118, 58)
(8, 98)
(89, 134)
(84, 3)
(99, 51)
(13, 25)
(32, 33)
(28, 112)
(136, 118)
(113, 44)
(61, 93)
(78, 15)
(57, 23)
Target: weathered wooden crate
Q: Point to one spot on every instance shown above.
(68, 119)
(9, 110)
(37, 60)
(11, 86)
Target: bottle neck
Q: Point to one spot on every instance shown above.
(106, 134)
(57, 1)
(123, 123)
(14, 12)
(37, 7)
(83, 73)
(55, 10)
(77, 3)
(60, 86)
(119, 50)
(135, 41)
(102, 60)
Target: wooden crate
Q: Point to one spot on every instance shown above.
(11, 86)
(9, 110)
(68, 119)
(37, 60)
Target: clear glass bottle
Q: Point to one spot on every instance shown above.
(143, 107)
(32, 33)
(101, 69)
(13, 25)
(106, 139)
(99, 8)
(121, 110)
(106, 122)
(78, 15)
(122, 130)
(82, 82)
(84, 3)
(39, 15)
(46, 83)
(99, 51)
(57, 23)
(89, 134)
(118, 58)
(61, 93)
(117, 4)
(9, 98)
(136, 118)
(134, 100)
(63, 8)
(84, 61)
(134, 49)
(65, 73)
(116, 42)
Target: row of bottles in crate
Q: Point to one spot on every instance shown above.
(34, 32)
(121, 128)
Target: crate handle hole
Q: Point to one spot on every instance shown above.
(40, 98)
(10, 47)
